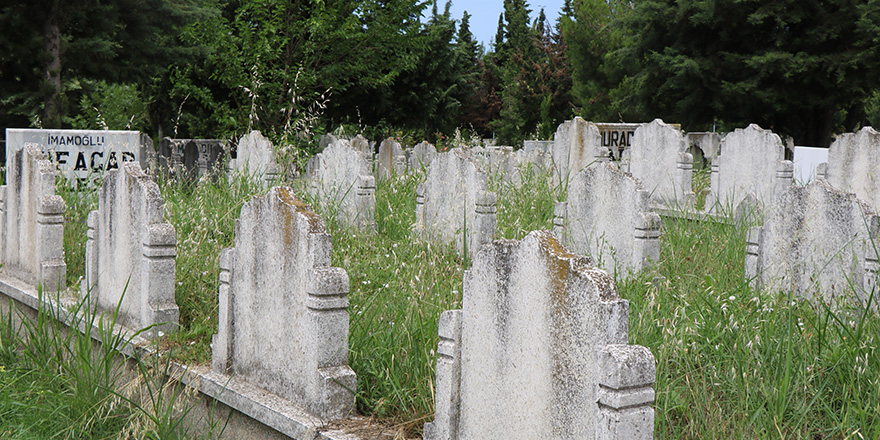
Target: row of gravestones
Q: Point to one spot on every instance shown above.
(283, 318)
(611, 215)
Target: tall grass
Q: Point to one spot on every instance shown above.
(399, 287)
(732, 362)
(203, 214)
(80, 200)
(56, 382)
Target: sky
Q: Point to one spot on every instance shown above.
(484, 15)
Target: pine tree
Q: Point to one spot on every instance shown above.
(801, 67)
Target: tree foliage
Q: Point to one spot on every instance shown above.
(802, 67)
(272, 63)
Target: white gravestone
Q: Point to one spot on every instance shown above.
(816, 242)
(341, 179)
(83, 154)
(283, 310)
(361, 144)
(658, 157)
(130, 253)
(539, 351)
(577, 144)
(854, 165)
(752, 163)
(32, 221)
(422, 155)
(255, 158)
(453, 205)
(608, 217)
(390, 159)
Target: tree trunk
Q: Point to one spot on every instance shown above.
(52, 99)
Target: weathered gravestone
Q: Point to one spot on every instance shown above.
(537, 145)
(326, 140)
(390, 159)
(539, 351)
(704, 146)
(341, 179)
(255, 158)
(577, 143)
(453, 206)
(83, 154)
(361, 144)
(817, 242)
(497, 161)
(32, 221)
(191, 158)
(283, 309)
(658, 157)
(130, 253)
(752, 161)
(854, 165)
(421, 156)
(608, 218)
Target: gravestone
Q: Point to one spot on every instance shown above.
(617, 137)
(658, 157)
(255, 158)
(577, 143)
(326, 140)
(361, 144)
(497, 161)
(537, 145)
(817, 242)
(390, 159)
(453, 205)
(283, 310)
(538, 158)
(704, 147)
(32, 221)
(539, 351)
(422, 155)
(191, 158)
(752, 161)
(341, 179)
(83, 154)
(130, 253)
(854, 165)
(607, 217)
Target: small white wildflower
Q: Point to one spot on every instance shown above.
(161, 333)
(731, 298)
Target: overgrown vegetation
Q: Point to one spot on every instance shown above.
(59, 383)
(731, 362)
(736, 363)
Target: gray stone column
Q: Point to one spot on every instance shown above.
(625, 394)
(646, 247)
(684, 176)
(366, 202)
(91, 272)
(484, 232)
(328, 320)
(784, 179)
(448, 380)
(221, 343)
(158, 277)
(50, 236)
(420, 210)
